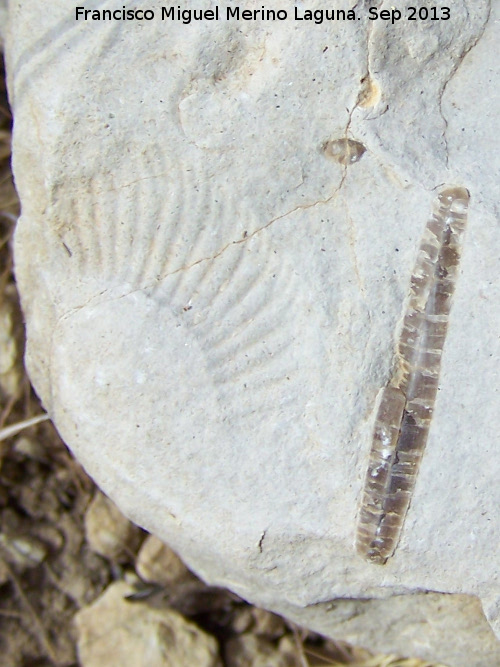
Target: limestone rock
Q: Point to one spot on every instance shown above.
(108, 532)
(157, 563)
(447, 629)
(3, 21)
(212, 303)
(114, 631)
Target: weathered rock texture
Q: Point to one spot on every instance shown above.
(108, 532)
(112, 630)
(212, 303)
(157, 563)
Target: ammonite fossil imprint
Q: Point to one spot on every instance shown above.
(405, 411)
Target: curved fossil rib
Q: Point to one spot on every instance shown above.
(405, 411)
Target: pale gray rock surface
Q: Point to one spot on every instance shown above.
(444, 629)
(3, 21)
(211, 303)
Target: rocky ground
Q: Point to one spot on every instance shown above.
(81, 585)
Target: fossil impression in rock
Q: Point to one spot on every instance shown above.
(204, 283)
(344, 151)
(406, 406)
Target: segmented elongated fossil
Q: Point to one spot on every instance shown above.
(404, 415)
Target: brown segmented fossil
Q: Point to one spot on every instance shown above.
(407, 402)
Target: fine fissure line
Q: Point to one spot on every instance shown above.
(407, 402)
